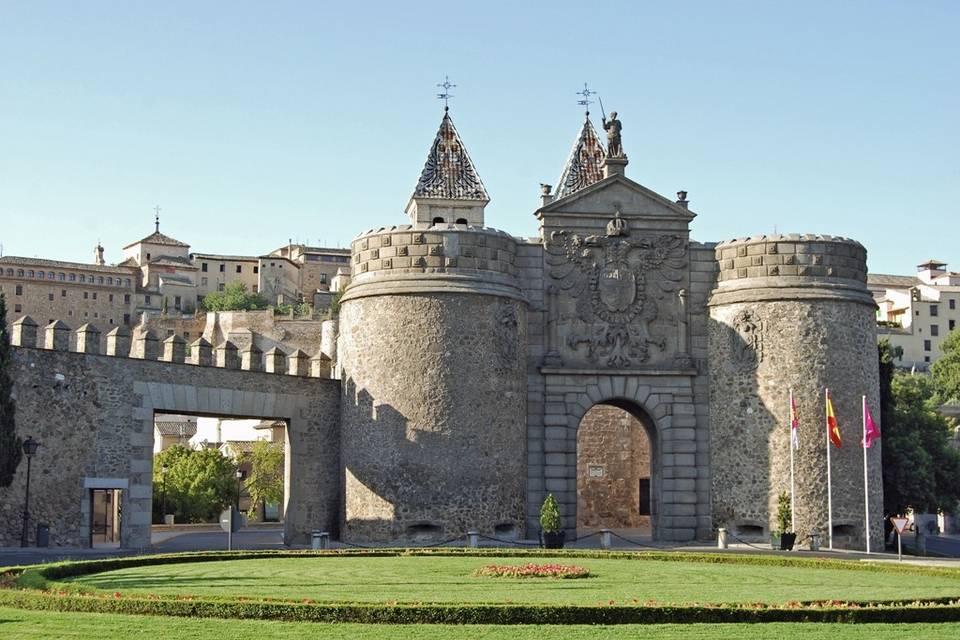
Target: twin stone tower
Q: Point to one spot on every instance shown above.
(469, 357)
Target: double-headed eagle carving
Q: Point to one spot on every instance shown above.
(608, 277)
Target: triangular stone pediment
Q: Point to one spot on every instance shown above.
(617, 193)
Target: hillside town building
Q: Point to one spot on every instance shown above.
(159, 275)
(916, 313)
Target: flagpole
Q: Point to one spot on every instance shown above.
(829, 485)
(793, 504)
(866, 489)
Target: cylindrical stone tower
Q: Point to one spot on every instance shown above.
(432, 348)
(792, 312)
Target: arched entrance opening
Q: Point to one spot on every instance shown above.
(617, 473)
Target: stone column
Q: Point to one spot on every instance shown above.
(57, 336)
(88, 339)
(552, 357)
(24, 332)
(329, 329)
(201, 353)
(118, 342)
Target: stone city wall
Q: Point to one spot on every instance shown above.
(93, 416)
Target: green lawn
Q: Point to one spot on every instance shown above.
(449, 579)
(16, 624)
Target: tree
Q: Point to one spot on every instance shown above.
(199, 483)
(946, 370)
(265, 483)
(234, 297)
(919, 466)
(10, 445)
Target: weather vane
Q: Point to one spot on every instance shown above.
(585, 101)
(445, 95)
(156, 217)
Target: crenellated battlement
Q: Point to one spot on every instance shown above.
(791, 266)
(428, 257)
(144, 344)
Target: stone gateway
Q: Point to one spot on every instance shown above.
(638, 375)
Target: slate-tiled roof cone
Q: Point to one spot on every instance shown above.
(449, 173)
(585, 164)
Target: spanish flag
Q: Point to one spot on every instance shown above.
(833, 429)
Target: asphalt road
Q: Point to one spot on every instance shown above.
(948, 546)
(217, 540)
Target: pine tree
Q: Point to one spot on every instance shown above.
(10, 444)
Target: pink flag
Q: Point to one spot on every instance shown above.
(794, 424)
(871, 430)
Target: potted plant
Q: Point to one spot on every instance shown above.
(784, 522)
(551, 533)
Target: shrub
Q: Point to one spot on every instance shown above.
(784, 513)
(550, 515)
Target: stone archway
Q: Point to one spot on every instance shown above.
(616, 463)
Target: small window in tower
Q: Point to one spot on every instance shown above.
(438, 220)
(934, 310)
(461, 221)
(239, 268)
(934, 329)
(926, 345)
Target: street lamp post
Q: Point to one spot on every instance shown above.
(163, 493)
(29, 449)
(239, 478)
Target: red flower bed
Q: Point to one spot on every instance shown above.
(532, 570)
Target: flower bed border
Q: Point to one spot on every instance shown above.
(39, 589)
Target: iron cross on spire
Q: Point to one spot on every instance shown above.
(445, 95)
(156, 218)
(585, 101)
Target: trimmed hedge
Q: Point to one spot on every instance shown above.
(480, 613)
(38, 588)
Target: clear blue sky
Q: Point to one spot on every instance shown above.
(251, 122)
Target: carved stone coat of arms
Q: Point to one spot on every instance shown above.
(617, 283)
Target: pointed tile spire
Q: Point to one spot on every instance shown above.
(449, 173)
(449, 189)
(584, 166)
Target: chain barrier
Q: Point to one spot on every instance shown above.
(589, 535)
(516, 542)
(746, 543)
(634, 542)
(412, 546)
